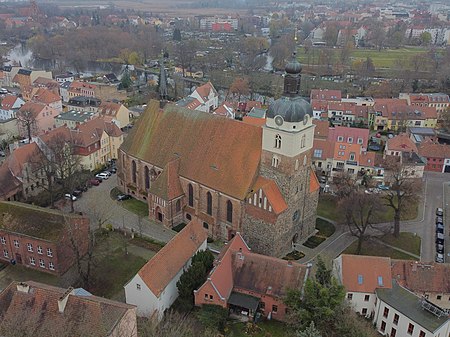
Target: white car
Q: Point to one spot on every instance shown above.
(439, 258)
(70, 197)
(102, 176)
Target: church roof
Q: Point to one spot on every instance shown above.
(168, 185)
(272, 193)
(220, 153)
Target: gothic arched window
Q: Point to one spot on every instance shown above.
(209, 203)
(147, 177)
(190, 195)
(229, 211)
(303, 142)
(278, 142)
(133, 171)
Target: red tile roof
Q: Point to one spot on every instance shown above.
(314, 183)
(45, 96)
(326, 94)
(434, 150)
(254, 121)
(321, 130)
(34, 107)
(205, 89)
(167, 186)
(8, 102)
(36, 307)
(220, 153)
(361, 273)
(271, 191)
(401, 143)
(160, 270)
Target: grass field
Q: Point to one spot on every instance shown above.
(382, 59)
(133, 205)
(263, 329)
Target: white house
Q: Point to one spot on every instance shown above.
(207, 96)
(9, 106)
(361, 276)
(398, 312)
(153, 289)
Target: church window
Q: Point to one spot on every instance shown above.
(209, 203)
(303, 141)
(296, 164)
(178, 206)
(133, 171)
(229, 211)
(190, 195)
(278, 142)
(305, 161)
(296, 216)
(275, 161)
(147, 178)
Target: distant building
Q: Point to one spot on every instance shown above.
(9, 106)
(74, 118)
(115, 112)
(41, 238)
(204, 98)
(437, 156)
(40, 308)
(154, 288)
(84, 104)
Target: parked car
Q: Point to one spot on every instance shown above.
(70, 197)
(323, 179)
(439, 211)
(440, 248)
(383, 187)
(122, 197)
(439, 258)
(439, 219)
(95, 181)
(112, 170)
(440, 230)
(440, 238)
(102, 176)
(2, 153)
(374, 147)
(77, 193)
(439, 226)
(107, 172)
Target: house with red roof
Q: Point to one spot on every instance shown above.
(84, 89)
(247, 283)
(47, 97)
(115, 112)
(208, 97)
(437, 156)
(326, 94)
(154, 288)
(40, 117)
(9, 105)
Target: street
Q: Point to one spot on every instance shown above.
(97, 204)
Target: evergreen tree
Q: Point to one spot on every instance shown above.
(176, 34)
(126, 80)
(310, 331)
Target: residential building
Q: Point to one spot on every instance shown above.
(9, 106)
(231, 175)
(205, 98)
(247, 283)
(84, 89)
(47, 97)
(41, 238)
(62, 78)
(83, 103)
(398, 312)
(326, 94)
(420, 135)
(40, 117)
(437, 156)
(397, 145)
(115, 112)
(47, 83)
(64, 91)
(154, 288)
(24, 78)
(74, 118)
(36, 308)
(207, 23)
(439, 101)
(428, 280)
(361, 276)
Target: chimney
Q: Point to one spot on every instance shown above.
(62, 301)
(23, 287)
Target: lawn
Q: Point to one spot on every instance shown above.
(265, 329)
(133, 205)
(22, 274)
(314, 241)
(325, 228)
(328, 208)
(374, 248)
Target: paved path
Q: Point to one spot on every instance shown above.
(97, 203)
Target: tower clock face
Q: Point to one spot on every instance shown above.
(279, 120)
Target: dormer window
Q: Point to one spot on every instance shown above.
(278, 142)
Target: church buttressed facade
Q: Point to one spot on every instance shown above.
(233, 176)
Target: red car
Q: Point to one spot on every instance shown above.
(95, 182)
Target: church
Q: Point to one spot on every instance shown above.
(232, 176)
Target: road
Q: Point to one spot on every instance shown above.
(97, 203)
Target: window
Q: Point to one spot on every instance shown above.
(340, 139)
(350, 140)
(229, 211)
(206, 296)
(32, 261)
(352, 156)
(439, 297)
(29, 247)
(366, 298)
(205, 225)
(383, 326)
(3, 240)
(395, 320)
(410, 329)
(188, 217)
(303, 142)
(262, 305)
(274, 308)
(39, 250)
(364, 311)
(138, 286)
(349, 296)
(49, 252)
(211, 297)
(133, 171)
(5, 253)
(393, 332)
(422, 333)
(16, 243)
(278, 142)
(190, 195)
(360, 140)
(275, 161)
(51, 266)
(386, 312)
(360, 279)
(209, 203)
(147, 177)
(178, 206)
(317, 153)
(41, 263)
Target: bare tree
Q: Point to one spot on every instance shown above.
(27, 120)
(404, 189)
(360, 210)
(345, 184)
(240, 87)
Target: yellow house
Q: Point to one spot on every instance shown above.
(115, 112)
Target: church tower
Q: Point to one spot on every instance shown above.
(286, 157)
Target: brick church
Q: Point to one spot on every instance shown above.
(233, 176)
